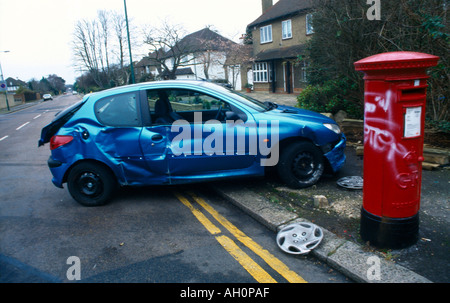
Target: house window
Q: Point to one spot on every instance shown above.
(260, 72)
(309, 26)
(287, 29)
(266, 34)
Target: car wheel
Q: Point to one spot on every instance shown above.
(301, 165)
(91, 184)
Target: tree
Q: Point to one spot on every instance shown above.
(86, 49)
(343, 34)
(167, 49)
(209, 48)
(98, 49)
(56, 83)
(52, 84)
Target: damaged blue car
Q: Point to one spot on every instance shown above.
(175, 132)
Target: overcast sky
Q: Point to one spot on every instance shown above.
(38, 33)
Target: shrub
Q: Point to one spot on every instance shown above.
(332, 96)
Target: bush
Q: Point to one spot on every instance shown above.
(332, 96)
(440, 125)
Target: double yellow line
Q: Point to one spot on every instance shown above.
(233, 249)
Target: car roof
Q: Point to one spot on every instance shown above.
(159, 84)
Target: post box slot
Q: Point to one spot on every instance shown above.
(413, 93)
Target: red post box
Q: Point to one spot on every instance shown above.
(394, 118)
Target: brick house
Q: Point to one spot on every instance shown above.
(279, 37)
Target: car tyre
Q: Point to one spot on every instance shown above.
(301, 165)
(91, 184)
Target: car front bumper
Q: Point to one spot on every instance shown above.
(336, 157)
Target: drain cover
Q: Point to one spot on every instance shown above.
(299, 238)
(353, 182)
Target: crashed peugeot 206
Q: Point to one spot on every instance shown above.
(175, 132)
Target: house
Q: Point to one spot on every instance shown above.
(146, 69)
(205, 52)
(279, 37)
(199, 55)
(14, 84)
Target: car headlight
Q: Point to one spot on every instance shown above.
(333, 127)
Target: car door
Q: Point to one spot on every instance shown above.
(203, 144)
(153, 140)
(119, 137)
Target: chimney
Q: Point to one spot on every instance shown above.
(266, 4)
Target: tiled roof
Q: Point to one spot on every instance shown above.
(281, 9)
(280, 53)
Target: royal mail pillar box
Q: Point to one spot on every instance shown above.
(394, 117)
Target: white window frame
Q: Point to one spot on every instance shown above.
(266, 34)
(286, 28)
(261, 72)
(309, 26)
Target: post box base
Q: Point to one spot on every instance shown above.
(390, 233)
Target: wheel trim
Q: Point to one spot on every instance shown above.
(90, 184)
(303, 165)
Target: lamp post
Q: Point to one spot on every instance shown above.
(129, 44)
(3, 83)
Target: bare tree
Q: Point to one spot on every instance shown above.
(86, 49)
(93, 44)
(119, 27)
(167, 49)
(239, 57)
(103, 17)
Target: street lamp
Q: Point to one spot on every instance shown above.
(129, 44)
(3, 82)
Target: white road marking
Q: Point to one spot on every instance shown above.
(1, 139)
(36, 117)
(23, 125)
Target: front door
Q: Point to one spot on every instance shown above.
(288, 77)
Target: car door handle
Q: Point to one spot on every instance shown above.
(157, 138)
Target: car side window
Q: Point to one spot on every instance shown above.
(169, 105)
(118, 110)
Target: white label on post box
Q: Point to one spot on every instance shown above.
(416, 82)
(413, 119)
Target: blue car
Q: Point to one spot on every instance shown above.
(175, 132)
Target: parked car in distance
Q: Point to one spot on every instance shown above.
(174, 132)
(47, 97)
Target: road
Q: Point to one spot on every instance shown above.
(179, 234)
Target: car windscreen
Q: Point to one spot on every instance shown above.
(250, 102)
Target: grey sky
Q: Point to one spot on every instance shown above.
(38, 33)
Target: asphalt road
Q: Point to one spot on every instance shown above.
(154, 234)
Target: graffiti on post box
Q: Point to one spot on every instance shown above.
(379, 135)
(382, 140)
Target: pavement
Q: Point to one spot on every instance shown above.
(347, 257)
(19, 107)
